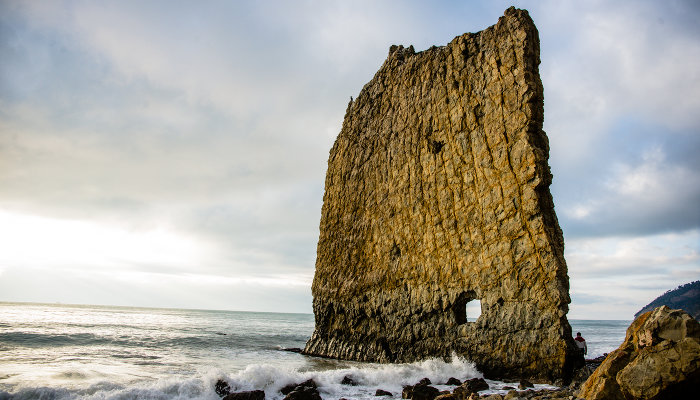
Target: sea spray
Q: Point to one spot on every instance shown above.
(369, 377)
(86, 352)
(270, 378)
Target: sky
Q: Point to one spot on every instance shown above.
(173, 153)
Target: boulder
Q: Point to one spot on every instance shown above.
(469, 387)
(247, 395)
(512, 395)
(437, 195)
(303, 393)
(347, 380)
(420, 391)
(381, 392)
(476, 384)
(524, 384)
(292, 386)
(222, 388)
(659, 359)
(453, 381)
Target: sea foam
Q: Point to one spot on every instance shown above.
(270, 378)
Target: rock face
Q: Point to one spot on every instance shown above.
(437, 193)
(659, 359)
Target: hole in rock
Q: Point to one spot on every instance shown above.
(467, 308)
(473, 310)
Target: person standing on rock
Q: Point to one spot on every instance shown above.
(581, 343)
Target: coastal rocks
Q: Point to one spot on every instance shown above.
(303, 393)
(222, 388)
(453, 381)
(469, 387)
(347, 380)
(247, 395)
(437, 195)
(307, 390)
(420, 391)
(524, 384)
(659, 359)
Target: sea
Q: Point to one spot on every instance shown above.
(54, 351)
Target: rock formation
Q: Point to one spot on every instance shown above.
(659, 359)
(437, 194)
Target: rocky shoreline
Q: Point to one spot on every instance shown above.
(659, 359)
(469, 389)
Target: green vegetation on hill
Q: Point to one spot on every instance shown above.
(685, 297)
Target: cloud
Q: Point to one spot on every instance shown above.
(620, 89)
(649, 196)
(212, 122)
(614, 277)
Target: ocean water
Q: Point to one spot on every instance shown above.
(57, 352)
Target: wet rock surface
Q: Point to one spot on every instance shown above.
(222, 388)
(659, 359)
(306, 390)
(437, 194)
(453, 381)
(347, 380)
(420, 391)
(247, 395)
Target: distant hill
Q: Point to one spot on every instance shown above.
(685, 297)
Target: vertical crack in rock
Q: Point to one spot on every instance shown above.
(437, 193)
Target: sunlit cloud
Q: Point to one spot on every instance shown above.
(174, 154)
(38, 242)
(613, 273)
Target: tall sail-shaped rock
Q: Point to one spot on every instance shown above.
(437, 193)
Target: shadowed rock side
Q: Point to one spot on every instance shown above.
(437, 193)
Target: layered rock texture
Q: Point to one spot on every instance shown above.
(659, 359)
(437, 193)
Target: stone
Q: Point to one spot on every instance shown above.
(469, 387)
(407, 392)
(524, 384)
(381, 392)
(512, 395)
(454, 381)
(303, 393)
(659, 359)
(420, 392)
(293, 386)
(222, 388)
(476, 384)
(437, 194)
(247, 395)
(293, 349)
(347, 380)
(446, 396)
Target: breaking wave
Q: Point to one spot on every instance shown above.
(270, 378)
